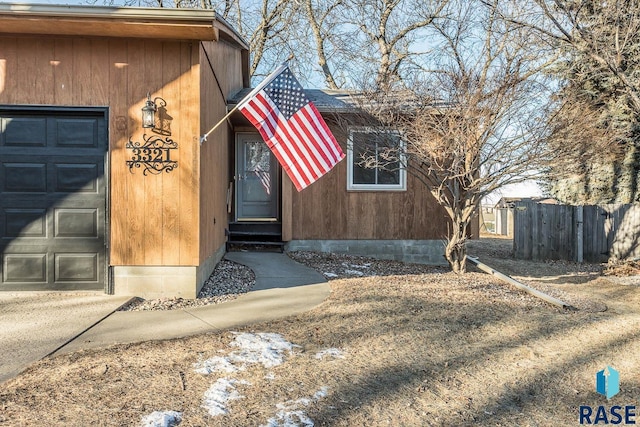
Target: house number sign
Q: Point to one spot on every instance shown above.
(153, 155)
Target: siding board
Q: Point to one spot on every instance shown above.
(96, 90)
(62, 63)
(122, 238)
(44, 76)
(209, 99)
(152, 219)
(189, 113)
(27, 66)
(8, 69)
(142, 250)
(81, 92)
(173, 225)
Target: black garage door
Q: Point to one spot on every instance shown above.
(52, 199)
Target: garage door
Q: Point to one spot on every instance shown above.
(52, 199)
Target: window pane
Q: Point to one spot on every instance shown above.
(363, 175)
(389, 170)
(386, 140)
(390, 175)
(362, 151)
(257, 156)
(363, 142)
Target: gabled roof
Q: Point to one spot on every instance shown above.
(325, 100)
(346, 101)
(105, 21)
(510, 202)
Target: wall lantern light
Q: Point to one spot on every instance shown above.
(149, 111)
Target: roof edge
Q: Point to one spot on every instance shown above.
(230, 32)
(202, 24)
(108, 12)
(325, 100)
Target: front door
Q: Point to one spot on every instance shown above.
(257, 182)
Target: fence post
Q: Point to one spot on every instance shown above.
(579, 233)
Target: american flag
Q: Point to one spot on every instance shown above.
(292, 127)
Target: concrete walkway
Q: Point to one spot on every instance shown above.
(34, 325)
(283, 287)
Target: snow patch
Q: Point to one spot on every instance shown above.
(293, 404)
(267, 349)
(290, 413)
(162, 419)
(219, 394)
(354, 272)
(215, 364)
(323, 392)
(365, 265)
(332, 352)
(289, 419)
(330, 275)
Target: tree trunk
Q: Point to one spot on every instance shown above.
(456, 249)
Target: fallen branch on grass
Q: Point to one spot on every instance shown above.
(522, 286)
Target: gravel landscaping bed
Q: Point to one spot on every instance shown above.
(228, 281)
(342, 266)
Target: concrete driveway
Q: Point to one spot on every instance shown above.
(35, 324)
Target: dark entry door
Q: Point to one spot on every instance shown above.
(257, 182)
(52, 199)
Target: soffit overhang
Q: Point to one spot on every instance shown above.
(122, 22)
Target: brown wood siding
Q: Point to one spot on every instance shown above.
(326, 210)
(154, 219)
(226, 62)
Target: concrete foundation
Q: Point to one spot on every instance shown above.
(164, 281)
(429, 252)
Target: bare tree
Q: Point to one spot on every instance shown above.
(325, 31)
(607, 32)
(598, 79)
(270, 34)
(370, 37)
(393, 26)
(473, 124)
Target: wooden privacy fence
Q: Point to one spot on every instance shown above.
(576, 233)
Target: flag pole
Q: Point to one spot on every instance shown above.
(203, 138)
(248, 96)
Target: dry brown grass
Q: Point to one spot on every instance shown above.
(422, 349)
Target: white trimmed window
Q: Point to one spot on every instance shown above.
(375, 160)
